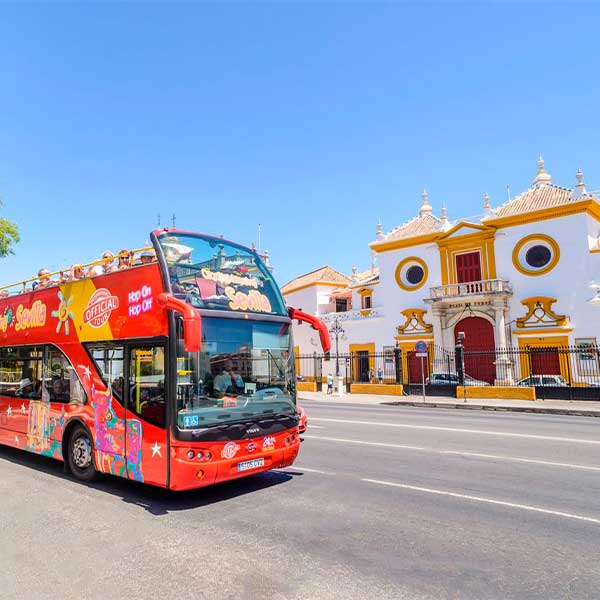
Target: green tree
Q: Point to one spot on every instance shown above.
(9, 235)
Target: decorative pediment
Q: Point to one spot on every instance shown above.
(414, 322)
(540, 313)
(464, 228)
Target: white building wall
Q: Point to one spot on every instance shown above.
(568, 282)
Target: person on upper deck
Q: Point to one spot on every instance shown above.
(76, 273)
(124, 259)
(106, 266)
(45, 281)
(147, 257)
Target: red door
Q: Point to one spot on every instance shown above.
(418, 368)
(545, 361)
(468, 267)
(480, 353)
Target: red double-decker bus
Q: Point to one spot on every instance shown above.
(178, 373)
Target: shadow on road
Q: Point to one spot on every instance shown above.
(156, 501)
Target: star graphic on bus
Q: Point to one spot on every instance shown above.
(63, 314)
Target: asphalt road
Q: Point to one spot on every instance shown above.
(384, 502)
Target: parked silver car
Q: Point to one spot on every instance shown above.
(452, 379)
(543, 381)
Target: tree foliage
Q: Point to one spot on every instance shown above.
(9, 235)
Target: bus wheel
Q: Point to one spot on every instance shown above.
(81, 455)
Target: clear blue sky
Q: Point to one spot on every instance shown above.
(312, 119)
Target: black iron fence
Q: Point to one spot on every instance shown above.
(569, 372)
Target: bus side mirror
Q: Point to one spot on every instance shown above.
(316, 324)
(192, 321)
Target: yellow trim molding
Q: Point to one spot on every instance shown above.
(306, 386)
(546, 341)
(530, 238)
(414, 322)
(370, 348)
(506, 393)
(590, 207)
(315, 283)
(421, 263)
(540, 313)
(482, 241)
(382, 389)
(365, 293)
(546, 331)
(404, 243)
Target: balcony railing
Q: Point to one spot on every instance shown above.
(352, 315)
(471, 288)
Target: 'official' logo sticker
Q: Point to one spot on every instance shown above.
(229, 450)
(99, 308)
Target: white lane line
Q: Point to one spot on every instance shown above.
(317, 427)
(460, 430)
(457, 453)
(298, 468)
(527, 507)
(347, 441)
(523, 460)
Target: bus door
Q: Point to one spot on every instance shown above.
(109, 407)
(146, 415)
(61, 393)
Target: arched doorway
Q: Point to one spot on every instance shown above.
(479, 346)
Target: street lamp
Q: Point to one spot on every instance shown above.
(338, 331)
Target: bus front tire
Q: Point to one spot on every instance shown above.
(81, 455)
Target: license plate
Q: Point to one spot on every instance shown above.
(251, 464)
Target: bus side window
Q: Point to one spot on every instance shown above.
(108, 358)
(147, 384)
(61, 380)
(21, 371)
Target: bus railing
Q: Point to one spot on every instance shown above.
(64, 274)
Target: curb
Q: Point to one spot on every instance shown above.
(526, 409)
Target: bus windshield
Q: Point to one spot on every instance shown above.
(210, 272)
(243, 371)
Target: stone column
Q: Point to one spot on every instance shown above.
(504, 370)
(437, 319)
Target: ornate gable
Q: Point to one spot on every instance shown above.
(540, 313)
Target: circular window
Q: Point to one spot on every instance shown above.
(411, 273)
(415, 274)
(536, 254)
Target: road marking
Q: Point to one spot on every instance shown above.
(347, 441)
(457, 453)
(317, 427)
(527, 507)
(298, 468)
(460, 430)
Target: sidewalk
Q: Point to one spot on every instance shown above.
(557, 407)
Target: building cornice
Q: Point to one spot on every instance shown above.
(588, 206)
(314, 284)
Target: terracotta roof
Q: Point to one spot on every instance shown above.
(365, 278)
(420, 225)
(323, 275)
(536, 198)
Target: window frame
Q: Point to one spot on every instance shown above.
(128, 344)
(45, 347)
